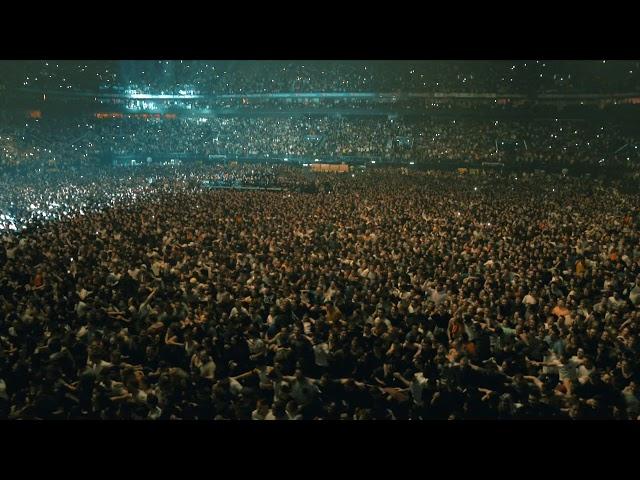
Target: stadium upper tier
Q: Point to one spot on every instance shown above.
(251, 77)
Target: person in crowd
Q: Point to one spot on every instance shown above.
(430, 295)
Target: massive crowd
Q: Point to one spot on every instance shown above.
(32, 198)
(244, 77)
(542, 144)
(389, 295)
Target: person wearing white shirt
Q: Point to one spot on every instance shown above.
(321, 353)
(585, 370)
(155, 412)
(416, 386)
(262, 412)
(579, 357)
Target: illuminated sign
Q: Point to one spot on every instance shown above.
(328, 167)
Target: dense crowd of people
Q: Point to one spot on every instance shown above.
(52, 195)
(390, 104)
(390, 295)
(534, 143)
(246, 77)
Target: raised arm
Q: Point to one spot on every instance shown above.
(538, 383)
(149, 297)
(399, 376)
(244, 375)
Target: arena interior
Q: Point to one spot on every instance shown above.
(318, 240)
